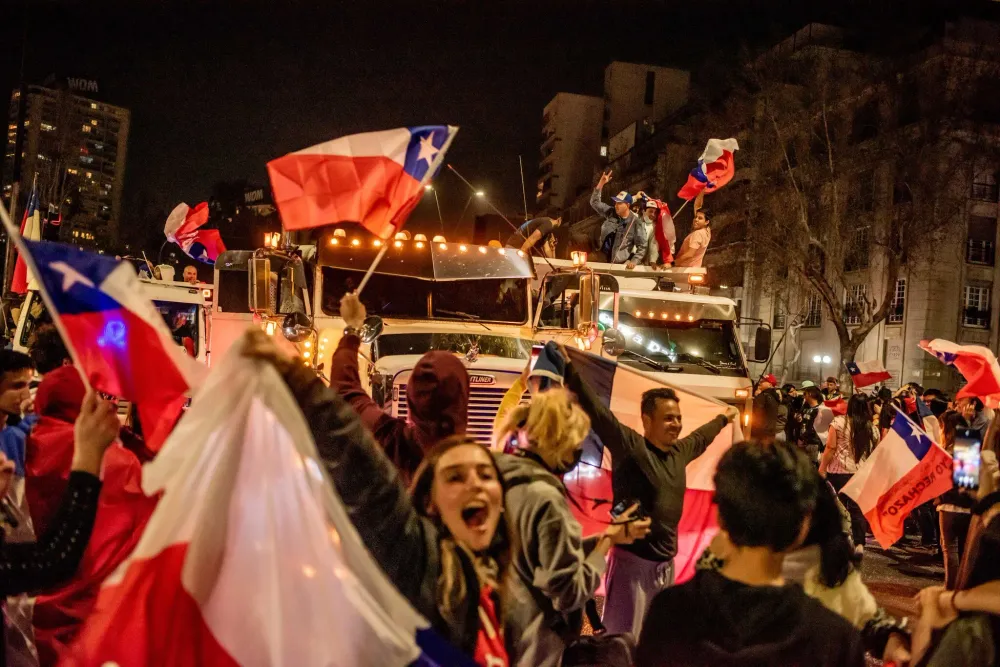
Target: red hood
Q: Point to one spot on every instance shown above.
(438, 397)
(60, 394)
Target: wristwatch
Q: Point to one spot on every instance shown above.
(352, 331)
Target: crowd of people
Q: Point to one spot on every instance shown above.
(634, 230)
(483, 542)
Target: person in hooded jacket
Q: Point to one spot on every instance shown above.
(769, 412)
(747, 613)
(437, 396)
(555, 571)
(122, 512)
(445, 545)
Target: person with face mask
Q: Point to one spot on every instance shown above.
(437, 395)
(554, 570)
(444, 544)
(650, 469)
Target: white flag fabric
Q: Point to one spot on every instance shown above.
(250, 557)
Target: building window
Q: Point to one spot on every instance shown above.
(984, 186)
(980, 245)
(898, 306)
(604, 151)
(854, 305)
(650, 87)
(85, 129)
(856, 257)
(814, 313)
(862, 197)
(779, 313)
(865, 124)
(976, 304)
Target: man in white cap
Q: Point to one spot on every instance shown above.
(623, 236)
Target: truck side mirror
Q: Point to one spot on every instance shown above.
(263, 287)
(371, 329)
(590, 296)
(297, 327)
(762, 344)
(613, 343)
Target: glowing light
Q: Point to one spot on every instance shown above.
(817, 358)
(334, 242)
(428, 188)
(419, 237)
(307, 344)
(638, 313)
(443, 246)
(340, 233)
(462, 248)
(625, 329)
(306, 354)
(826, 359)
(207, 293)
(113, 335)
(677, 317)
(653, 346)
(269, 328)
(482, 249)
(398, 244)
(436, 239)
(501, 251)
(690, 318)
(520, 253)
(742, 393)
(746, 419)
(664, 315)
(355, 242)
(377, 243)
(649, 314)
(695, 353)
(637, 338)
(605, 318)
(420, 245)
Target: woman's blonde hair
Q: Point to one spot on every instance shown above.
(554, 424)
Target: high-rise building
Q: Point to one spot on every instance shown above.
(634, 93)
(571, 126)
(76, 149)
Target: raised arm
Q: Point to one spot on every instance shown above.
(695, 443)
(699, 201)
(620, 440)
(595, 197)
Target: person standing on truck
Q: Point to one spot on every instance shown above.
(437, 395)
(692, 252)
(623, 236)
(661, 235)
(648, 469)
(191, 274)
(528, 235)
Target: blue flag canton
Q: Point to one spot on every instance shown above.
(912, 435)
(852, 368)
(72, 277)
(426, 143)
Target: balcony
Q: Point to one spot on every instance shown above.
(980, 252)
(988, 192)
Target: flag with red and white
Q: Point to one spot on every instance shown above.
(375, 179)
(184, 227)
(250, 557)
(621, 389)
(864, 373)
(905, 470)
(31, 228)
(716, 167)
(114, 333)
(977, 364)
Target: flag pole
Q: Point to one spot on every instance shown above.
(15, 235)
(678, 211)
(431, 170)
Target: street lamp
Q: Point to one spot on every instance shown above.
(430, 188)
(822, 361)
(480, 193)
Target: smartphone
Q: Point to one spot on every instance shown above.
(966, 458)
(622, 506)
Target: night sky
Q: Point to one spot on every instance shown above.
(218, 89)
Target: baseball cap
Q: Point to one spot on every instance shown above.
(808, 383)
(623, 198)
(651, 204)
(770, 378)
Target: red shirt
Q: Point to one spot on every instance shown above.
(490, 648)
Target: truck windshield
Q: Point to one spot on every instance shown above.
(675, 344)
(388, 345)
(181, 319)
(489, 300)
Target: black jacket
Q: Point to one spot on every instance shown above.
(712, 621)
(769, 414)
(405, 544)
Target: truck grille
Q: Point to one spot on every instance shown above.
(484, 402)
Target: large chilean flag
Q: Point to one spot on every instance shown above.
(621, 389)
(375, 178)
(716, 167)
(118, 339)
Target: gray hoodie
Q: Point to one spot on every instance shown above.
(552, 574)
(629, 242)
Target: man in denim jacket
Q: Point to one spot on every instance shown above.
(623, 236)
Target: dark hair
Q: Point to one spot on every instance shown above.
(827, 530)
(915, 387)
(951, 421)
(887, 415)
(885, 395)
(649, 399)
(859, 418)
(814, 393)
(705, 212)
(934, 393)
(938, 406)
(976, 403)
(47, 349)
(764, 493)
(833, 380)
(787, 387)
(11, 362)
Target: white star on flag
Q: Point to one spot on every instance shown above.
(70, 276)
(427, 149)
(916, 432)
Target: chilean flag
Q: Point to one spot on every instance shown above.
(621, 388)
(977, 364)
(716, 167)
(31, 228)
(906, 469)
(376, 178)
(864, 373)
(250, 557)
(118, 339)
(184, 228)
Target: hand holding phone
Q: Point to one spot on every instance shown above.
(966, 459)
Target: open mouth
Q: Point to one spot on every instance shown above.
(475, 515)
